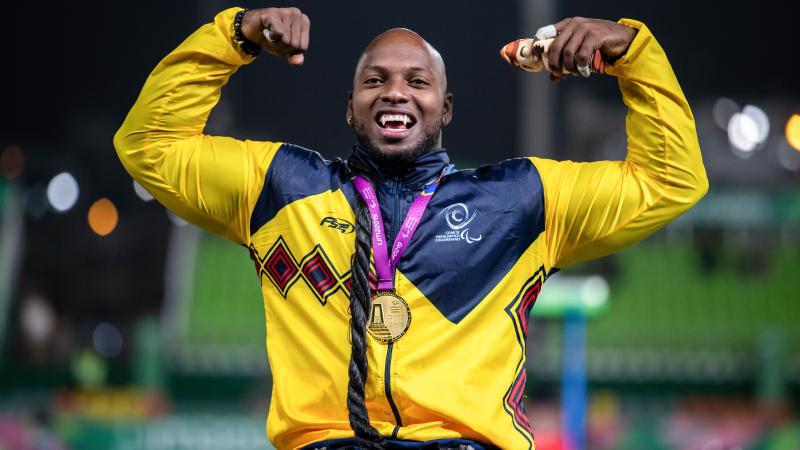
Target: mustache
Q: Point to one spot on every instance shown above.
(402, 157)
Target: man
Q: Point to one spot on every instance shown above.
(427, 348)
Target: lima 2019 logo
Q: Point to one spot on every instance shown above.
(458, 218)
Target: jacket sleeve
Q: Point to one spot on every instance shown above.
(210, 181)
(593, 209)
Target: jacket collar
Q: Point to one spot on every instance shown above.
(424, 169)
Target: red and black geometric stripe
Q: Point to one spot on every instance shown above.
(319, 273)
(315, 268)
(523, 309)
(281, 267)
(519, 310)
(516, 404)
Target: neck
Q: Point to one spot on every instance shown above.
(415, 172)
(396, 165)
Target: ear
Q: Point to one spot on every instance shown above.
(348, 116)
(447, 110)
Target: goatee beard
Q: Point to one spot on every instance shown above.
(400, 158)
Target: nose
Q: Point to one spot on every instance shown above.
(395, 92)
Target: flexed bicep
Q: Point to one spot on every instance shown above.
(210, 181)
(593, 209)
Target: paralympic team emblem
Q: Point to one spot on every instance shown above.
(458, 218)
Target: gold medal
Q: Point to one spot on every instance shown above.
(389, 317)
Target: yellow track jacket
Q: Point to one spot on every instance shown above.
(470, 275)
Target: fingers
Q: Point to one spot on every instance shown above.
(580, 46)
(572, 48)
(305, 32)
(297, 33)
(271, 36)
(555, 58)
(286, 33)
(584, 55)
(286, 27)
(561, 25)
(270, 23)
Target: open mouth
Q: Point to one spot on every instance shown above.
(395, 121)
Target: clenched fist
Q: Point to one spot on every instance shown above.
(578, 38)
(281, 32)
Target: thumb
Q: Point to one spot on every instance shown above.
(296, 60)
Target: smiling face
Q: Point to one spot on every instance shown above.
(399, 101)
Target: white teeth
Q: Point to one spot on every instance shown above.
(394, 118)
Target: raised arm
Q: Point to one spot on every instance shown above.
(210, 181)
(593, 209)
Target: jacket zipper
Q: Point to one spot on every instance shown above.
(387, 373)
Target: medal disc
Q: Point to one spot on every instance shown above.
(388, 318)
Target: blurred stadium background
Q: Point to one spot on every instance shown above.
(121, 327)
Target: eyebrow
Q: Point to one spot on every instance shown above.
(409, 69)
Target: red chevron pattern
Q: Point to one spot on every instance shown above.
(519, 310)
(315, 268)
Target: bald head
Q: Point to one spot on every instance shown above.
(399, 101)
(401, 40)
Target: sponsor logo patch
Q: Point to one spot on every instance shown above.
(344, 226)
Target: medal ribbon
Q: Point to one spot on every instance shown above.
(385, 265)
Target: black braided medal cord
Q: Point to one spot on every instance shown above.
(366, 435)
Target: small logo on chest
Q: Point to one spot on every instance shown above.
(458, 218)
(344, 226)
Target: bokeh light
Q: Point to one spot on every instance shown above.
(793, 131)
(107, 340)
(595, 291)
(89, 369)
(103, 217)
(760, 118)
(62, 192)
(724, 109)
(141, 192)
(784, 155)
(12, 161)
(743, 132)
(37, 319)
(747, 130)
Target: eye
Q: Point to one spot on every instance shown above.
(372, 80)
(418, 82)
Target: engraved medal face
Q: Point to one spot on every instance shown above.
(388, 317)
